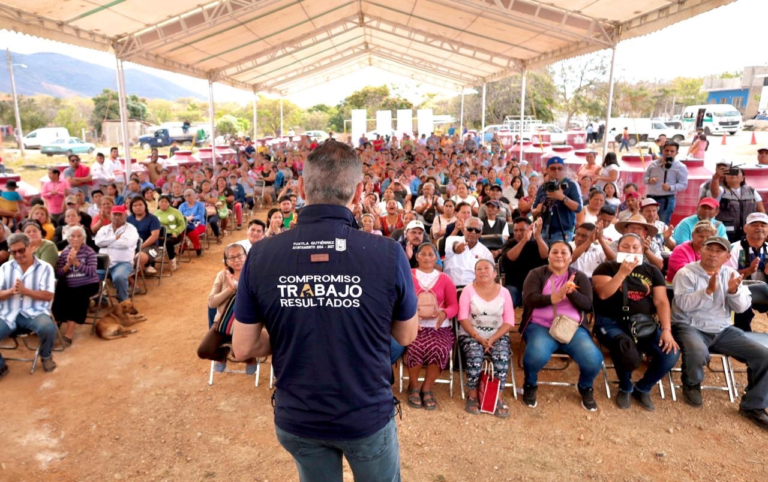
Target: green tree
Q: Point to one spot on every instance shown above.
(578, 82)
(69, 117)
(33, 116)
(227, 124)
(106, 107)
(161, 110)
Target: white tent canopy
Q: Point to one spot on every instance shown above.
(284, 46)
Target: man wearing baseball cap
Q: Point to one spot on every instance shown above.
(762, 155)
(632, 200)
(707, 211)
(414, 237)
(119, 240)
(706, 294)
(749, 257)
(649, 209)
(557, 202)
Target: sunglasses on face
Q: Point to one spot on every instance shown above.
(15, 252)
(474, 230)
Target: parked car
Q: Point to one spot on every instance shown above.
(45, 135)
(67, 146)
(318, 136)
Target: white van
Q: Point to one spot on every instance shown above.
(713, 118)
(44, 135)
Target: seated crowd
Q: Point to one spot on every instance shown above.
(588, 262)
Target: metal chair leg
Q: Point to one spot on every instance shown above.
(210, 377)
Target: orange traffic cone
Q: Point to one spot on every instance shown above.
(754, 141)
(725, 134)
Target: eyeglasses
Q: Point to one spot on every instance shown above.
(238, 257)
(14, 252)
(474, 230)
(553, 168)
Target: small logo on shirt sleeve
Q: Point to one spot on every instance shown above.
(341, 244)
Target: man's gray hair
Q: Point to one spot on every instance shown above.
(18, 238)
(474, 220)
(187, 192)
(78, 229)
(331, 174)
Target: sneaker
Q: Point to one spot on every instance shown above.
(174, 265)
(624, 400)
(644, 399)
(529, 395)
(49, 365)
(150, 270)
(588, 399)
(199, 252)
(219, 367)
(692, 395)
(251, 369)
(3, 371)
(758, 417)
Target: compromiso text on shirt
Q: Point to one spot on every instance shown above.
(309, 291)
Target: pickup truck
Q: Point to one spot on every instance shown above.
(164, 137)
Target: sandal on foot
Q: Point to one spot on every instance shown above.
(502, 410)
(472, 406)
(414, 399)
(67, 340)
(428, 400)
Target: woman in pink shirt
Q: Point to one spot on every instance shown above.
(432, 346)
(54, 192)
(689, 251)
(486, 315)
(557, 286)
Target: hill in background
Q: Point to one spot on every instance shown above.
(62, 76)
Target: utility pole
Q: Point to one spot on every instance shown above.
(20, 137)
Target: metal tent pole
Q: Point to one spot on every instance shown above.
(483, 121)
(15, 103)
(212, 114)
(461, 120)
(610, 100)
(282, 134)
(522, 111)
(121, 95)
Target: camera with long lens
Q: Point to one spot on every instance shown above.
(552, 186)
(668, 162)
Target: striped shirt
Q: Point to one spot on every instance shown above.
(38, 277)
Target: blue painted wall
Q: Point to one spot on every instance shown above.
(728, 95)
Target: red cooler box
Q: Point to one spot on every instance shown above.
(186, 158)
(533, 156)
(633, 167)
(206, 156)
(562, 150)
(227, 154)
(757, 177)
(688, 200)
(577, 139)
(541, 136)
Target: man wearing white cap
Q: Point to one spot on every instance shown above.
(707, 293)
(462, 253)
(762, 155)
(414, 237)
(748, 256)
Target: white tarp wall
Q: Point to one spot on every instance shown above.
(384, 122)
(359, 117)
(424, 122)
(404, 122)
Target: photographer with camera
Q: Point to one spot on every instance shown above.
(665, 178)
(737, 199)
(557, 202)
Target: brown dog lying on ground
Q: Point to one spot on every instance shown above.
(116, 319)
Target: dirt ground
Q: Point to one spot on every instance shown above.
(140, 408)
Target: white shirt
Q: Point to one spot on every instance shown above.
(383, 206)
(420, 201)
(38, 277)
(461, 267)
(590, 259)
(119, 250)
(471, 200)
(245, 244)
(103, 173)
(610, 234)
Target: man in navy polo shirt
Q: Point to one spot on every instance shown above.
(557, 202)
(330, 297)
